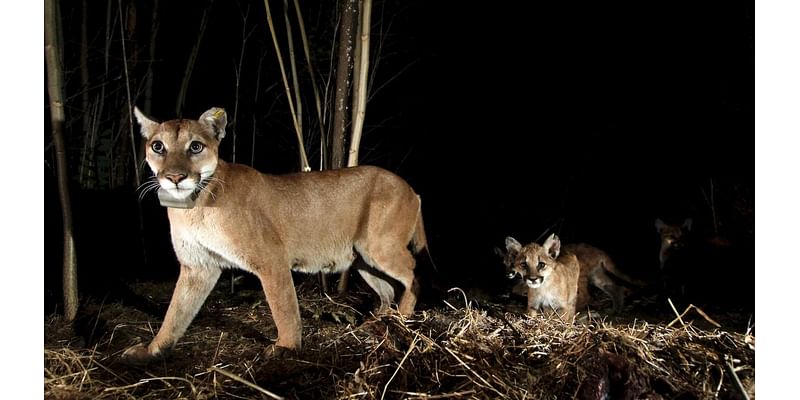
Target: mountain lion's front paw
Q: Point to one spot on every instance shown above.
(137, 355)
(273, 351)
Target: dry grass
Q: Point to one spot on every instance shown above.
(453, 351)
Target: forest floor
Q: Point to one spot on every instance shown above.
(467, 345)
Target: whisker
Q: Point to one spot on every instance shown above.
(147, 182)
(147, 186)
(215, 179)
(209, 180)
(145, 189)
(203, 188)
(144, 192)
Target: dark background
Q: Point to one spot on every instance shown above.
(511, 118)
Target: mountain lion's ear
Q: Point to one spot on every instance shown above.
(552, 245)
(512, 245)
(148, 126)
(216, 119)
(687, 224)
(659, 225)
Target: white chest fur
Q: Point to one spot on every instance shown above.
(202, 248)
(544, 300)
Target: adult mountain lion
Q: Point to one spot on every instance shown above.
(270, 225)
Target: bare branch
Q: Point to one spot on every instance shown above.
(293, 65)
(310, 65)
(128, 90)
(303, 160)
(187, 75)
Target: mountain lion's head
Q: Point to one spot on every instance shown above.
(673, 239)
(183, 153)
(533, 262)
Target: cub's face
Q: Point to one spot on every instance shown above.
(534, 264)
(513, 248)
(183, 153)
(673, 238)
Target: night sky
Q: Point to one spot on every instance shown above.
(589, 118)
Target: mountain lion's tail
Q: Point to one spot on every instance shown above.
(419, 241)
(609, 266)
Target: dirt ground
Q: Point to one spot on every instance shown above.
(465, 345)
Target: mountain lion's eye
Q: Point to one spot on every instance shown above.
(523, 265)
(158, 147)
(196, 147)
(540, 266)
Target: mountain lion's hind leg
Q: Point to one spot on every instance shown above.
(384, 290)
(398, 263)
(602, 281)
(193, 286)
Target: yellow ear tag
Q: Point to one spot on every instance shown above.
(218, 113)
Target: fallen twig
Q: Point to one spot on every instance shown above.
(246, 382)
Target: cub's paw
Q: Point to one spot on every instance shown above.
(137, 355)
(274, 351)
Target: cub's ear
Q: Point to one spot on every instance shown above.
(687, 224)
(512, 245)
(148, 126)
(552, 245)
(216, 119)
(499, 252)
(659, 225)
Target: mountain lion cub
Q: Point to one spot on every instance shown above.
(597, 269)
(270, 225)
(673, 239)
(552, 279)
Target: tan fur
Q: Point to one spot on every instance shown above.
(270, 225)
(551, 277)
(596, 268)
(509, 256)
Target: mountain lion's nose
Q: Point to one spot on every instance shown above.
(175, 178)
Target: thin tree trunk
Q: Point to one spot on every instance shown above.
(148, 86)
(187, 75)
(129, 99)
(356, 66)
(360, 102)
(303, 159)
(54, 89)
(255, 102)
(101, 98)
(84, 172)
(293, 65)
(238, 73)
(343, 69)
(317, 102)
